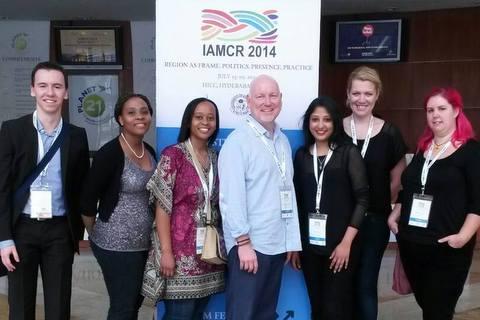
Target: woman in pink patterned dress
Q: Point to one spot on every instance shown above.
(180, 190)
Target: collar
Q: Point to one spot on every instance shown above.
(39, 126)
(261, 129)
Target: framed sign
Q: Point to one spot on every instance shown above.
(88, 47)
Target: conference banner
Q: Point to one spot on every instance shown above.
(214, 48)
(23, 44)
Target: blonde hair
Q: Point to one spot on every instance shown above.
(365, 73)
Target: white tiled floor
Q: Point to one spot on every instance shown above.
(90, 300)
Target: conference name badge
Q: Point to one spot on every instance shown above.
(200, 241)
(286, 202)
(420, 212)
(317, 229)
(41, 203)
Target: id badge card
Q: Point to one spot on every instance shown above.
(286, 202)
(317, 229)
(420, 212)
(41, 203)
(200, 241)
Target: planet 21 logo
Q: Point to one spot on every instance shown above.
(260, 30)
(92, 104)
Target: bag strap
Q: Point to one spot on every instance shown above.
(42, 164)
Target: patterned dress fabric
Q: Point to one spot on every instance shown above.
(176, 188)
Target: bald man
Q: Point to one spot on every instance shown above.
(258, 206)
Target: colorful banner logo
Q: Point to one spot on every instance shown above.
(240, 25)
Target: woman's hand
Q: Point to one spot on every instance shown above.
(469, 228)
(340, 257)
(394, 217)
(455, 241)
(294, 258)
(167, 264)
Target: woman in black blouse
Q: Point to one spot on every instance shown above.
(116, 182)
(438, 216)
(383, 150)
(330, 211)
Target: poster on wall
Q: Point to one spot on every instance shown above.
(143, 57)
(23, 44)
(92, 101)
(215, 50)
(224, 45)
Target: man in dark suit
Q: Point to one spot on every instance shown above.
(41, 226)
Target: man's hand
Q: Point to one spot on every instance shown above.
(248, 258)
(6, 260)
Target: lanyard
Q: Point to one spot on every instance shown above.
(429, 162)
(318, 179)
(367, 138)
(41, 148)
(207, 189)
(281, 166)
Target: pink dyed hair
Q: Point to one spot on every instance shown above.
(464, 130)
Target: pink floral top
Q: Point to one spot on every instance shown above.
(176, 188)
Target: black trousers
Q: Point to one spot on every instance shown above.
(331, 294)
(46, 244)
(437, 274)
(253, 296)
(123, 275)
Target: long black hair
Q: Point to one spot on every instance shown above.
(184, 133)
(338, 134)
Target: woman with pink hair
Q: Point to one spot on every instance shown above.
(438, 212)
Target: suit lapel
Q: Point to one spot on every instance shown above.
(32, 137)
(64, 148)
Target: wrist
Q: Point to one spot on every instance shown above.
(242, 237)
(243, 242)
(464, 237)
(346, 241)
(166, 251)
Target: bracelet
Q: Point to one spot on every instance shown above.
(243, 243)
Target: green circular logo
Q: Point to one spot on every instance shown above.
(93, 106)
(20, 43)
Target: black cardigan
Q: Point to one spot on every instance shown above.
(103, 180)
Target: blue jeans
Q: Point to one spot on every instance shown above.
(123, 275)
(185, 309)
(373, 236)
